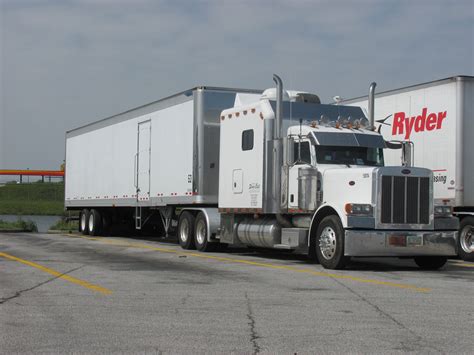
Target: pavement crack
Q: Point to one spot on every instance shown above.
(19, 293)
(405, 347)
(182, 303)
(253, 332)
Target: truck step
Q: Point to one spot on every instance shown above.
(283, 246)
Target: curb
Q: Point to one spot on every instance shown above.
(15, 231)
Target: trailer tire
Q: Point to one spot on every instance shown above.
(186, 230)
(330, 243)
(200, 234)
(430, 262)
(95, 222)
(466, 239)
(84, 221)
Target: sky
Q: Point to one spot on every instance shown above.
(66, 63)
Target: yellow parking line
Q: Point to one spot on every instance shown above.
(462, 264)
(261, 264)
(59, 275)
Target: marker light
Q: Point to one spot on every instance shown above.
(359, 209)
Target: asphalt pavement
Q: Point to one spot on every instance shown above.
(75, 294)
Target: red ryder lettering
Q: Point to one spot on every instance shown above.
(420, 123)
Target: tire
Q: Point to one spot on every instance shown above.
(200, 234)
(330, 243)
(83, 222)
(186, 230)
(430, 262)
(95, 222)
(466, 239)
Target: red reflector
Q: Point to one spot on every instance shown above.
(397, 240)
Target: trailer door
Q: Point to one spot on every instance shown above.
(143, 160)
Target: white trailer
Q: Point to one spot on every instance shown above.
(438, 117)
(276, 169)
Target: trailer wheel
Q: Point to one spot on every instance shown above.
(186, 230)
(83, 221)
(95, 222)
(466, 239)
(200, 234)
(430, 262)
(330, 243)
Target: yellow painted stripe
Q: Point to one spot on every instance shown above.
(260, 264)
(462, 264)
(59, 275)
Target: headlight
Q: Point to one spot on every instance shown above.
(359, 209)
(443, 211)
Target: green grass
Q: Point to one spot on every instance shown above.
(19, 225)
(63, 225)
(33, 199)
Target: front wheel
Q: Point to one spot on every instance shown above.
(466, 239)
(430, 262)
(330, 243)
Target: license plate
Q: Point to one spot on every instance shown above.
(414, 240)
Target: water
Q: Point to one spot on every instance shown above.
(42, 222)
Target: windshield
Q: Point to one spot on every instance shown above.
(349, 155)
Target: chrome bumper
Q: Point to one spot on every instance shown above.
(378, 243)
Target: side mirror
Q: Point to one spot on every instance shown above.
(408, 151)
(288, 151)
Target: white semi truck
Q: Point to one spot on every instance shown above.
(438, 117)
(276, 169)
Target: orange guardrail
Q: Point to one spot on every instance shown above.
(59, 173)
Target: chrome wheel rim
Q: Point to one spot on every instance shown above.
(91, 222)
(201, 232)
(83, 221)
(466, 240)
(327, 243)
(184, 230)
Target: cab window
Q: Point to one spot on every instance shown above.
(305, 153)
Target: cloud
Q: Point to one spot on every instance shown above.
(67, 63)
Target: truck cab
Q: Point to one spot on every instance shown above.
(322, 187)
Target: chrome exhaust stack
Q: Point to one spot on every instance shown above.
(371, 105)
(279, 106)
(274, 155)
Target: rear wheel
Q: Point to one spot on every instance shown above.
(430, 262)
(330, 243)
(83, 221)
(186, 230)
(95, 222)
(466, 239)
(200, 234)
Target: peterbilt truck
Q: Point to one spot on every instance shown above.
(273, 169)
(438, 118)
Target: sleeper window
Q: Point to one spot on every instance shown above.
(247, 139)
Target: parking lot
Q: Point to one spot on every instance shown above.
(70, 293)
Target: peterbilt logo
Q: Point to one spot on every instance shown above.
(403, 124)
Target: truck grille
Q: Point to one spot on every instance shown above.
(405, 200)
